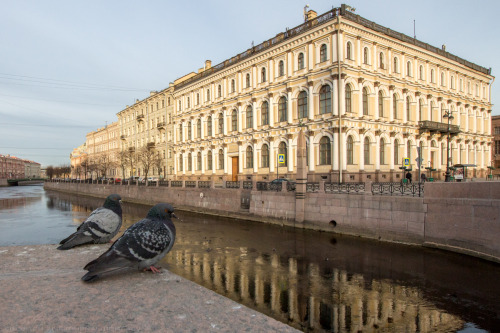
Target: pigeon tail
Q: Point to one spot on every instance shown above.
(74, 240)
(109, 262)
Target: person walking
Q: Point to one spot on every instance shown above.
(408, 177)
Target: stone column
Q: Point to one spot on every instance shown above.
(310, 103)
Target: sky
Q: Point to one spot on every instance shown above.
(68, 67)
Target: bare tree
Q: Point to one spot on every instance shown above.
(146, 158)
(158, 161)
(50, 171)
(123, 159)
(130, 156)
(84, 164)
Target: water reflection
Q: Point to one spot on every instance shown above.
(320, 282)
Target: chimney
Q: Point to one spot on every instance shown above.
(208, 64)
(311, 15)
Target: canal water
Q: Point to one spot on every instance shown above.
(313, 281)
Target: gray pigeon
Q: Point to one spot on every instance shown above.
(140, 247)
(100, 227)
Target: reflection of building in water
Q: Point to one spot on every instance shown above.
(11, 203)
(297, 293)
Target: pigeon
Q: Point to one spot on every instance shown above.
(100, 227)
(141, 246)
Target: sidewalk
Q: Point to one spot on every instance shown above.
(41, 291)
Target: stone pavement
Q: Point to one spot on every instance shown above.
(41, 291)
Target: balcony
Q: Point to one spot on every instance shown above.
(434, 126)
(122, 137)
(140, 117)
(150, 145)
(161, 125)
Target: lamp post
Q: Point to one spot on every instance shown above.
(448, 116)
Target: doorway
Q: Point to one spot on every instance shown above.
(234, 162)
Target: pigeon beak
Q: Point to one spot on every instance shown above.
(173, 215)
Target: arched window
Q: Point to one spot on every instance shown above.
(221, 159)
(233, 86)
(190, 162)
(348, 52)
(282, 109)
(421, 72)
(302, 105)
(263, 74)
(209, 160)
(283, 151)
(380, 104)
(408, 114)
(395, 106)
(348, 103)
(219, 91)
(248, 80)
(198, 161)
(265, 156)
(221, 123)
(180, 133)
(350, 150)
(300, 61)
(181, 159)
(249, 157)
(381, 60)
(366, 150)
(322, 53)
(365, 56)
(234, 120)
(264, 113)
(325, 151)
(208, 94)
(408, 68)
(249, 113)
(325, 99)
(198, 129)
(396, 152)
(209, 126)
(396, 65)
(382, 151)
(365, 101)
(281, 68)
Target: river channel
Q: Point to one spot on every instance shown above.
(313, 281)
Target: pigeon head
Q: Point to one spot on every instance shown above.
(113, 200)
(162, 211)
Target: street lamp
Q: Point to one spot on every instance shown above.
(448, 116)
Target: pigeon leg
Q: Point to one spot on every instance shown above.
(153, 269)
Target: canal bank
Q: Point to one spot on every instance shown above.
(42, 292)
(460, 217)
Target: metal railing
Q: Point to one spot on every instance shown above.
(349, 188)
(415, 189)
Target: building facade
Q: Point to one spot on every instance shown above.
(366, 97)
(12, 167)
(495, 151)
(102, 148)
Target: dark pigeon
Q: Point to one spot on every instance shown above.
(100, 227)
(140, 247)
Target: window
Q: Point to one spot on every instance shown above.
(432, 76)
(302, 105)
(350, 150)
(219, 91)
(348, 52)
(382, 151)
(234, 120)
(282, 109)
(233, 86)
(396, 152)
(197, 99)
(283, 151)
(408, 68)
(188, 103)
(209, 161)
(190, 162)
(325, 100)
(249, 157)
(421, 72)
(300, 61)
(265, 156)
(380, 104)
(198, 161)
(396, 65)
(248, 81)
(190, 136)
(325, 151)
(209, 126)
(180, 133)
(381, 60)
(249, 114)
(221, 123)
(452, 82)
(365, 56)
(181, 160)
(366, 150)
(395, 106)
(322, 53)
(461, 85)
(180, 106)
(263, 74)
(348, 105)
(221, 159)
(443, 83)
(208, 94)
(365, 101)
(408, 114)
(265, 114)
(420, 110)
(408, 151)
(281, 68)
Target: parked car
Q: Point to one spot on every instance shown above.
(285, 182)
(118, 180)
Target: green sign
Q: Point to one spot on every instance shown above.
(281, 158)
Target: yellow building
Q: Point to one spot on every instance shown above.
(366, 96)
(102, 148)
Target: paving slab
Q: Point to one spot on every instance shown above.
(41, 291)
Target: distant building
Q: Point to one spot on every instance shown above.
(12, 167)
(495, 151)
(101, 149)
(78, 162)
(32, 169)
